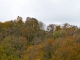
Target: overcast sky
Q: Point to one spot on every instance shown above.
(47, 11)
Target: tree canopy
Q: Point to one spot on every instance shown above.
(29, 40)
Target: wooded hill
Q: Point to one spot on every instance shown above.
(29, 40)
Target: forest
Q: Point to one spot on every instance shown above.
(32, 40)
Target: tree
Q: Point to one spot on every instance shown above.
(58, 28)
(41, 25)
(32, 26)
(14, 46)
(51, 28)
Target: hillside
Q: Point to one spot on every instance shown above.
(29, 40)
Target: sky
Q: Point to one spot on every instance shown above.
(47, 11)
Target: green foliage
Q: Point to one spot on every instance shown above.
(7, 54)
(58, 34)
